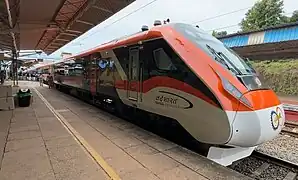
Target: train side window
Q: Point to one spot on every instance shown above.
(162, 60)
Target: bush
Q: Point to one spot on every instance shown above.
(280, 75)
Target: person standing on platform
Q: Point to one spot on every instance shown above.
(50, 81)
(2, 76)
(41, 80)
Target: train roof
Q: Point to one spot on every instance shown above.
(154, 32)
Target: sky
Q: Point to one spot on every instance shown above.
(199, 12)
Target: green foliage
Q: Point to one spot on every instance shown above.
(263, 14)
(285, 19)
(219, 34)
(280, 75)
(294, 17)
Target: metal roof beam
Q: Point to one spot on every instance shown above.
(85, 22)
(51, 48)
(59, 44)
(54, 46)
(16, 30)
(69, 34)
(5, 43)
(38, 23)
(8, 46)
(3, 20)
(103, 9)
(75, 17)
(11, 25)
(74, 31)
(65, 40)
(5, 32)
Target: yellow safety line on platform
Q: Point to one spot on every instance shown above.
(83, 143)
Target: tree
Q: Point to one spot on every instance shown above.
(219, 34)
(294, 17)
(263, 14)
(285, 19)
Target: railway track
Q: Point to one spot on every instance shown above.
(263, 166)
(291, 128)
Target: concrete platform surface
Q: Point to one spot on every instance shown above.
(34, 145)
(60, 137)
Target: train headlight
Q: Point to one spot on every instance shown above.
(231, 89)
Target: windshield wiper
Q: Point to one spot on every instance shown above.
(221, 60)
(227, 59)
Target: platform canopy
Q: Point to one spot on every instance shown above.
(50, 24)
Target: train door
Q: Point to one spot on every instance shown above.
(90, 73)
(95, 59)
(92, 77)
(93, 72)
(82, 66)
(134, 75)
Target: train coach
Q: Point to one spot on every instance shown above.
(180, 72)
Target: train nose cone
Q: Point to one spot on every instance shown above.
(261, 124)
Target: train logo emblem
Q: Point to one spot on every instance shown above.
(276, 118)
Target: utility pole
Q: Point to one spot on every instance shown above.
(17, 74)
(14, 68)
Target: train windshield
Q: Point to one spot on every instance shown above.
(216, 49)
(223, 55)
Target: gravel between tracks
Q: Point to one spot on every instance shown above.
(284, 147)
(248, 166)
(274, 172)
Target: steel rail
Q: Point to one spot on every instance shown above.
(275, 160)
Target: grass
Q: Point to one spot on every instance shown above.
(280, 75)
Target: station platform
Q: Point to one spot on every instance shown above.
(60, 137)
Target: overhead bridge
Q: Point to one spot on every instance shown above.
(278, 42)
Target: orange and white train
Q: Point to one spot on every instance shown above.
(180, 72)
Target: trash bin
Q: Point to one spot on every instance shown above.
(24, 97)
